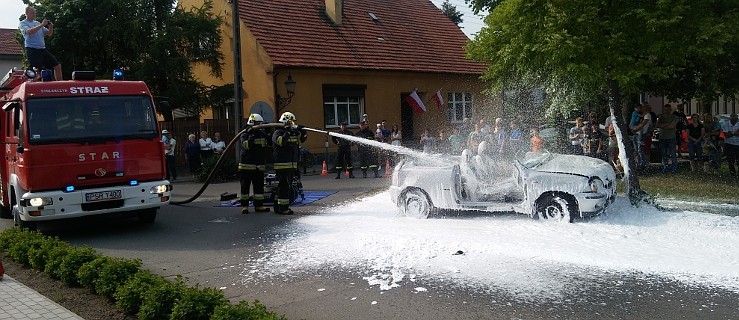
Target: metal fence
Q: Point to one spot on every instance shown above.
(182, 127)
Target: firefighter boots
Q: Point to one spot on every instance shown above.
(261, 209)
(245, 210)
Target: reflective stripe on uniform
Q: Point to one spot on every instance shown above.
(243, 197)
(285, 165)
(283, 202)
(258, 197)
(251, 167)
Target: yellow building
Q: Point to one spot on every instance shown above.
(349, 58)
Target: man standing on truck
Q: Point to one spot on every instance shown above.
(286, 142)
(33, 35)
(252, 165)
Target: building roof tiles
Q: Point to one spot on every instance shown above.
(8, 44)
(408, 35)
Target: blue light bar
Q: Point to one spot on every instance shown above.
(134, 182)
(117, 74)
(69, 188)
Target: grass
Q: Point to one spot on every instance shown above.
(689, 186)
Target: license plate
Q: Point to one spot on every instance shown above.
(103, 196)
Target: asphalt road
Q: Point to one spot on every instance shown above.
(208, 245)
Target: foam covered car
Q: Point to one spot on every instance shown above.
(543, 185)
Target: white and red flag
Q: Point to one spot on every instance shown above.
(439, 100)
(415, 101)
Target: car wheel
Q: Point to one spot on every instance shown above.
(555, 208)
(30, 225)
(415, 204)
(148, 215)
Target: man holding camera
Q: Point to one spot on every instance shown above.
(33, 36)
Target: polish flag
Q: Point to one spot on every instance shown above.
(415, 101)
(439, 100)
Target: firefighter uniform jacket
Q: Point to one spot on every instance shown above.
(254, 147)
(367, 134)
(286, 144)
(343, 143)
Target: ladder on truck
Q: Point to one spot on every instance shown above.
(12, 79)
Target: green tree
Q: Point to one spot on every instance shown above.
(153, 40)
(581, 50)
(482, 5)
(451, 12)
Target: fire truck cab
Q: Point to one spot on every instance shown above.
(78, 148)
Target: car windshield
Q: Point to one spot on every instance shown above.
(90, 119)
(534, 159)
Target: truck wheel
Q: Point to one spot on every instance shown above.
(30, 225)
(414, 203)
(5, 212)
(555, 208)
(148, 215)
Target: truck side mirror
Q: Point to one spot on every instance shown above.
(19, 149)
(165, 110)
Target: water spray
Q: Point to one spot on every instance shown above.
(429, 158)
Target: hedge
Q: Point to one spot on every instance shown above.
(134, 290)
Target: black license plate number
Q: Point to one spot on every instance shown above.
(103, 196)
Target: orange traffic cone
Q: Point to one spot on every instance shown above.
(346, 173)
(388, 173)
(324, 170)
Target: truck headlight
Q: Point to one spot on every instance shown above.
(162, 188)
(38, 202)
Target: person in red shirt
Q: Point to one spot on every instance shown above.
(537, 142)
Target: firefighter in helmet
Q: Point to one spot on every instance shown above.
(344, 155)
(286, 143)
(254, 147)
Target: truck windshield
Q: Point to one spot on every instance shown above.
(90, 119)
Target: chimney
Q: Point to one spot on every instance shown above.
(334, 10)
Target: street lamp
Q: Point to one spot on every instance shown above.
(290, 88)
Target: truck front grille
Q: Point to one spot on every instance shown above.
(102, 205)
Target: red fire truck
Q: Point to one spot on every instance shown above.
(78, 148)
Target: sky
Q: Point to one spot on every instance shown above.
(12, 9)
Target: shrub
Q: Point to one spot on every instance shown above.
(225, 172)
(8, 236)
(244, 311)
(71, 263)
(54, 260)
(197, 304)
(90, 272)
(38, 257)
(159, 300)
(21, 244)
(114, 274)
(130, 295)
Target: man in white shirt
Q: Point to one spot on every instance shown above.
(206, 145)
(731, 143)
(169, 147)
(218, 145)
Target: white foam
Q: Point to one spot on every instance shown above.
(525, 257)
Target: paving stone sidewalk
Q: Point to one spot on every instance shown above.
(18, 302)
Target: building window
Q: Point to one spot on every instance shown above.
(460, 106)
(343, 103)
(342, 109)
